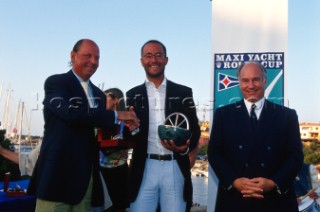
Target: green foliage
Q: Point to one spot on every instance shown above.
(5, 143)
(314, 146)
(203, 149)
(6, 165)
(312, 153)
(312, 159)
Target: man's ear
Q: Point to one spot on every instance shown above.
(72, 56)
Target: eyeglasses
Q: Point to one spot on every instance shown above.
(149, 56)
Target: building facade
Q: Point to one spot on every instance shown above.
(310, 131)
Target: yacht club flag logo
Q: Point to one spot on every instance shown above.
(226, 82)
(226, 85)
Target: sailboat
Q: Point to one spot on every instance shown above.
(14, 126)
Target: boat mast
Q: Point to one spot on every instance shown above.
(16, 122)
(21, 124)
(6, 112)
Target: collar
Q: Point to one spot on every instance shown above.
(150, 84)
(78, 77)
(259, 104)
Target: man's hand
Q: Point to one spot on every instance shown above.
(130, 118)
(263, 183)
(313, 195)
(178, 149)
(254, 188)
(248, 188)
(299, 200)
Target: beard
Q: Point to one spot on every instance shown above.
(154, 75)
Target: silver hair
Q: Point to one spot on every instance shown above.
(259, 65)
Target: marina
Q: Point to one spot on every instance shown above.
(200, 190)
(200, 185)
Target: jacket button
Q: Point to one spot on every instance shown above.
(240, 146)
(262, 165)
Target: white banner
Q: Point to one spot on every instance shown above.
(247, 27)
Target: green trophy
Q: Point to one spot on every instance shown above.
(176, 128)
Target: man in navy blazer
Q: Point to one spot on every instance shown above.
(67, 173)
(255, 151)
(160, 170)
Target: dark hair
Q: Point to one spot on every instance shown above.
(77, 46)
(260, 66)
(117, 93)
(154, 41)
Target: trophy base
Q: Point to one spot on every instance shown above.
(108, 138)
(13, 193)
(116, 143)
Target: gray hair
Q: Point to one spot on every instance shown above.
(259, 65)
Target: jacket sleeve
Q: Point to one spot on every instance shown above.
(293, 161)
(62, 101)
(216, 158)
(193, 121)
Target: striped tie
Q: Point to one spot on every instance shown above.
(254, 120)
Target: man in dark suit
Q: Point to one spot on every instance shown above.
(160, 170)
(255, 151)
(67, 173)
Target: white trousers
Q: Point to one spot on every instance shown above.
(162, 183)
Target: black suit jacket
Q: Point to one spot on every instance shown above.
(69, 152)
(178, 99)
(273, 152)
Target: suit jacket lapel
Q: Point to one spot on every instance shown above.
(77, 89)
(98, 96)
(174, 99)
(266, 119)
(169, 90)
(265, 122)
(243, 122)
(76, 86)
(143, 103)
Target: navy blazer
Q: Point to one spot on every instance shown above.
(70, 152)
(179, 98)
(274, 152)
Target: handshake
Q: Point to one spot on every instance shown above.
(130, 120)
(114, 136)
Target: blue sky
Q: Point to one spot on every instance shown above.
(37, 36)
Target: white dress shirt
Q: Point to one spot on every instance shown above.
(259, 105)
(156, 99)
(89, 93)
(27, 160)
